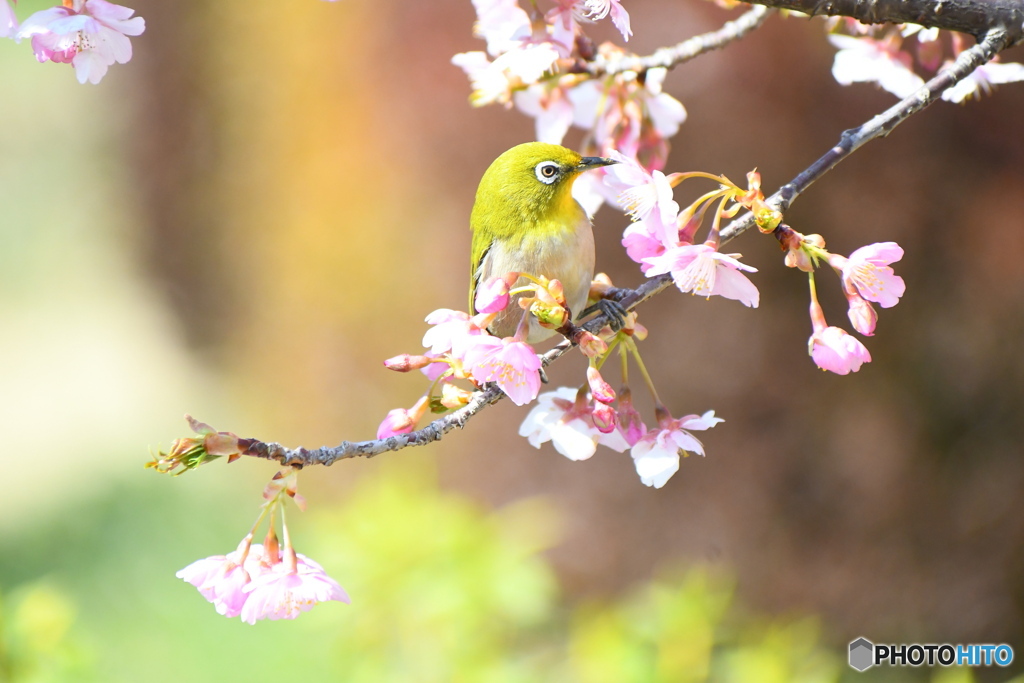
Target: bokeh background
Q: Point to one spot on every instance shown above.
(265, 202)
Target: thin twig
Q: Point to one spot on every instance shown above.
(667, 57)
(849, 142)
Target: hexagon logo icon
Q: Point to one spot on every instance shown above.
(862, 653)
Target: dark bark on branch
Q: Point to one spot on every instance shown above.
(849, 142)
(976, 17)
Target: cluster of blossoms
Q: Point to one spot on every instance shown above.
(262, 582)
(460, 347)
(661, 237)
(255, 581)
(539, 66)
(888, 56)
(661, 240)
(91, 35)
(866, 277)
(574, 420)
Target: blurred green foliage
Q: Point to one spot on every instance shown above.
(443, 590)
(36, 645)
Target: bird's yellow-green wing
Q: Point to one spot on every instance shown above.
(478, 250)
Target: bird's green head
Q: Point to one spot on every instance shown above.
(527, 184)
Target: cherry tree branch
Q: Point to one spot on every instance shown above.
(879, 126)
(849, 142)
(976, 17)
(667, 57)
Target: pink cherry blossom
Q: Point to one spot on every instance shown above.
(929, 47)
(559, 418)
(703, 270)
(628, 116)
(599, 9)
(835, 350)
(563, 25)
(261, 587)
(832, 348)
(656, 454)
(494, 81)
(867, 272)
(982, 79)
(587, 191)
(641, 245)
(489, 84)
(666, 112)
(551, 109)
(91, 36)
(201, 572)
(8, 21)
(222, 578)
(453, 332)
(647, 197)
(866, 59)
(502, 23)
(512, 365)
(286, 591)
(639, 193)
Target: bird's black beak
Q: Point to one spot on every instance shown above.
(587, 163)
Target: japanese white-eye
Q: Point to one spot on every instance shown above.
(526, 220)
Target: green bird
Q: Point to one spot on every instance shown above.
(525, 220)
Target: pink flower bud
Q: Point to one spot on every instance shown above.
(549, 315)
(799, 248)
(453, 397)
(599, 286)
(492, 295)
(862, 315)
(398, 421)
(405, 362)
(601, 390)
(591, 345)
(798, 258)
(631, 425)
(556, 291)
(401, 420)
(604, 418)
(766, 217)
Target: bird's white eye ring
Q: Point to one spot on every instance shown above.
(547, 171)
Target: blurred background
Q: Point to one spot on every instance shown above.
(243, 221)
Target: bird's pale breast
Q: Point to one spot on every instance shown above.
(564, 252)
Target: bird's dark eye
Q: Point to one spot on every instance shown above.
(547, 171)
